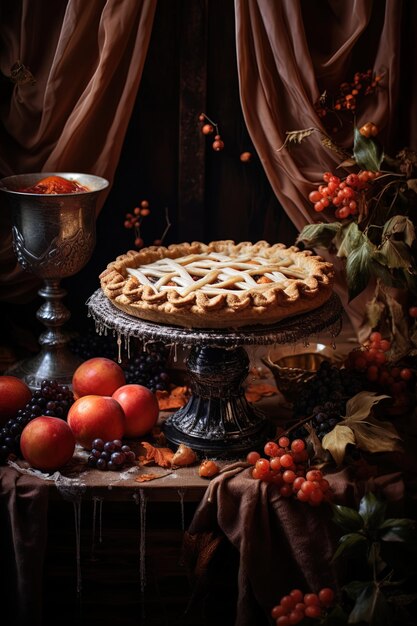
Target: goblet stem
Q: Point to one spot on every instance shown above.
(55, 361)
(53, 314)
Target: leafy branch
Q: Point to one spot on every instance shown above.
(381, 597)
(360, 428)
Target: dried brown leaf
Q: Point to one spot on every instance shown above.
(359, 406)
(175, 399)
(336, 441)
(297, 136)
(142, 478)
(255, 392)
(160, 456)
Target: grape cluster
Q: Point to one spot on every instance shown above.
(330, 384)
(110, 455)
(343, 195)
(326, 417)
(287, 468)
(295, 606)
(52, 399)
(91, 344)
(149, 369)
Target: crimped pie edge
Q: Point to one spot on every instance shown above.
(197, 310)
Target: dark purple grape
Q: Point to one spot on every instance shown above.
(118, 458)
(92, 461)
(98, 444)
(101, 464)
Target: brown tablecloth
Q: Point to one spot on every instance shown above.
(23, 536)
(281, 544)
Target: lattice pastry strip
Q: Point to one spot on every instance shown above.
(214, 273)
(218, 285)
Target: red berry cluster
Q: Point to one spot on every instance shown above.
(344, 195)
(208, 129)
(350, 94)
(134, 220)
(286, 467)
(372, 360)
(295, 606)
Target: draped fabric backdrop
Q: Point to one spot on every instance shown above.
(87, 59)
(288, 53)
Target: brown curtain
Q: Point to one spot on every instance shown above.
(86, 59)
(291, 51)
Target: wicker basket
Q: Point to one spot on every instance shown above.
(296, 365)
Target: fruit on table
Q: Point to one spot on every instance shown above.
(97, 376)
(110, 455)
(96, 417)
(208, 469)
(55, 185)
(140, 407)
(14, 395)
(47, 443)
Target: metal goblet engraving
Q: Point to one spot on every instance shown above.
(53, 237)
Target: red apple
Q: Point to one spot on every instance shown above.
(96, 417)
(47, 443)
(14, 395)
(98, 376)
(141, 409)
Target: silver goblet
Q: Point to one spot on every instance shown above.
(53, 237)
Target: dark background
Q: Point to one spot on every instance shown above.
(190, 69)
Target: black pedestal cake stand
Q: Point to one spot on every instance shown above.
(217, 420)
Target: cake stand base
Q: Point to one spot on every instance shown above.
(218, 420)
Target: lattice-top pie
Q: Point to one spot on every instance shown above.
(217, 285)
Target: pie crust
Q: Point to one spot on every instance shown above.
(217, 285)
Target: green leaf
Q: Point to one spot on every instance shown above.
(355, 587)
(350, 544)
(400, 224)
(372, 510)
(370, 607)
(346, 517)
(336, 441)
(320, 235)
(411, 281)
(394, 529)
(347, 239)
(394, 254)
(367, 152)
(385, 275)
(358, 267)
(335, 617)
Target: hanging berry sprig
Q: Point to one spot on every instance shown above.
(350, 94)
(134, 221)
(208, 128)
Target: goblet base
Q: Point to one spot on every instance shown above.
(50, 364)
